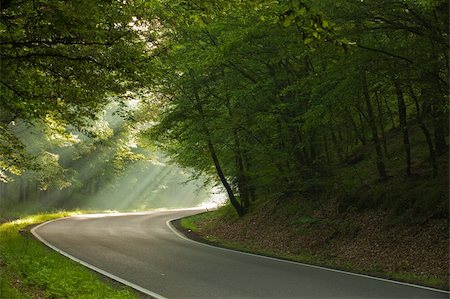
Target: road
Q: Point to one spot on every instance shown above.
(143, 250)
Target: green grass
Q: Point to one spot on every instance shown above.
(189, 223)
(31, 270)
(409, 277)
(224, 212)
(6, 286)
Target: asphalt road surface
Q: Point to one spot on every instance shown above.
(143, 250)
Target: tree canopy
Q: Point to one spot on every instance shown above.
(268, 96)
(59, 61)
(265, 97)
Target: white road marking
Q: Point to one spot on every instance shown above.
(176, 232)
(112, 276)
(179, 234)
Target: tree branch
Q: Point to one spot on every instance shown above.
(20, 94)
(52, 55)
(385, 53)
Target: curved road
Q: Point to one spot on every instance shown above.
(142, 249)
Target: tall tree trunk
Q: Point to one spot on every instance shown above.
(362, 123)
(336, 145)
(403, 124)
(287, 138)
(301, 153)
(439, 125)
(250, 183)
(391, 115)
(381, 122)
(325, 145)
(341, 140)
(349, 137)
(298, 149)
(358, 133)
(312, 147)
(439, 105)
(240, 169)
(426, 132)
(373, 127)
(212, 151)
(241, 177)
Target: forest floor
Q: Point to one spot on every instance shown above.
(396, 229)
(364, 242)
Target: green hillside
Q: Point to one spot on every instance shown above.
(394, 229)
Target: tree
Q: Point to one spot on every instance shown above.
(60, 60)
(268, 86)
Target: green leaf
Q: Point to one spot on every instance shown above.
(287, 20)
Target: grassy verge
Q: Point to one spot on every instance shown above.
(203, 226)
(28, 269)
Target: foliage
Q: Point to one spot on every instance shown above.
(269, 97)
(320, 236)
(266, 98)
(59, 61)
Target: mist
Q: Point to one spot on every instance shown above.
(102, 168)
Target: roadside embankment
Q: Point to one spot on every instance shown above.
(365, 242)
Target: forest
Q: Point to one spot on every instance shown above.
(320, 127)
(264, 98)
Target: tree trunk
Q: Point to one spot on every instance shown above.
(250, 183)
(359, 135)
(325, 144)
(426, 132)
(240, 169)
(381, 123)
(439, 126)
(403, 125)
(312, 147)
(298, 149)
(340, 139)
(439, 106)
(336, 145)
(391, 116)
(241, 177)
(373, 127)
(212, 151)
